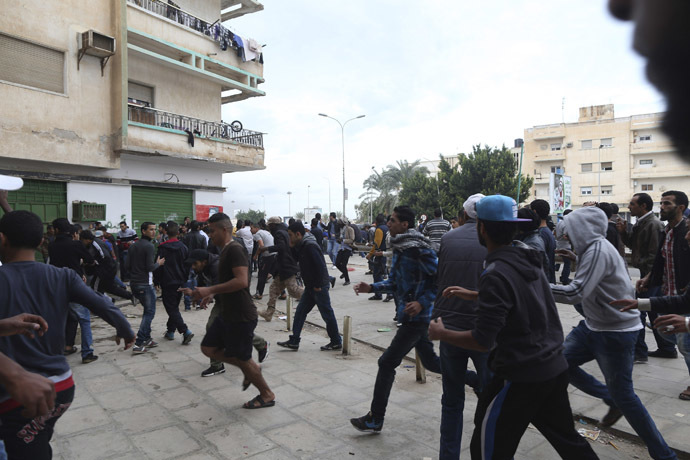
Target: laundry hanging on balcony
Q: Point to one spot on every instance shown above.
(248, 49)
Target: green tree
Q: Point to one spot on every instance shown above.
(252, 215)
(299, 215)
(420, 193)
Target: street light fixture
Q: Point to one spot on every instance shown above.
(342, 135)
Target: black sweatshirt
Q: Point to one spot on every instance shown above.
(312, 266)
(140, 262)
(66, 252)
(517, 317)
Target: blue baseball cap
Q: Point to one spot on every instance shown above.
(498, 208)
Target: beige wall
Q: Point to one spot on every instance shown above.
(79, 126)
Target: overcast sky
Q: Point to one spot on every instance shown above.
(432, 77)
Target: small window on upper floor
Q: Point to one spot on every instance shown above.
(555, 147)
(607, 189)
(606, 142)
(543, 146)
(646, 162)
(139, 94)
(645, 138)
(647, 187)
(607, 166)
(585, 190)
(586, 144)
(586, 167)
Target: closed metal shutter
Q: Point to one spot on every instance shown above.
(45, 198)
(139, 92)
(32, 65)
(160, 205)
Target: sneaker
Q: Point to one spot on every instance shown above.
(267, 315)
(170, 335)
(367, 423)
(611, 417)
(263, 354)
(332, 280)
(288, 344)
(672, 354)
(150, 344)
(342, 276)
(139, 349)
(257, 296)
(369, 272)
(346, 283)
(332, 346)
(187, 308)
(211, 371)
(376, 297)
(333, 267)
(187, 337)
(388, 298)
(641, 360)
(89, 358)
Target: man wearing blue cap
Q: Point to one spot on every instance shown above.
(517, 320)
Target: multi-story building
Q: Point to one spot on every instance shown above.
(608, 159)
(117, 103)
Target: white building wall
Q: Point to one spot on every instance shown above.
(117, 200)
(207, 197)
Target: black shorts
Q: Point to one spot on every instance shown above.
(234, 337)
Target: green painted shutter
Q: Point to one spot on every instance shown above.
(45, 198)
(160, 205)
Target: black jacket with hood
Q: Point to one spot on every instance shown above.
(517, 317)
(174, 271)
(311, 262)
(285, 266)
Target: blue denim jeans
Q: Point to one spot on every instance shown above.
(455, 376)
(191, 284)
(3, 454)
(614, 352)
(147, 296)
(322, 300)
(332, 250)
(682, 340)
(85, 325)
(409, 335)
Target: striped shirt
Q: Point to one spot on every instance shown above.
(435, 229)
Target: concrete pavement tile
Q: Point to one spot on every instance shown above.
(144, 367)
(204, 384)
(289, 396)
(342, 395)
(169, 356)
(203, 456)
(100, 444)
(95, 369)
(177, 398)
(82, 397)
(122, 399)
(305, 379)
(278, 364)
(677, 437)
(228, 397)
(273, 454)
(325, 414)
(165, 443)
(427, 407)
(264, 419)
(352, 377)
(204, 416)
(388, 445)
(143, 418)
(158, 382)
(239, 441)
(105, 383)
(303, 439)
(83, 418)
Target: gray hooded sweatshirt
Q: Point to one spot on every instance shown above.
(601, 274)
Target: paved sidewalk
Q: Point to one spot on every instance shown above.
(158, 406)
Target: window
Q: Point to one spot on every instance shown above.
(28, 64)
(585, 190)
(557, 170)
(647, 187)
(140, 94)
(646, 138)
(543, 146)
(607, 189)
(607, 166)
(586, 167)
(646, 162)
(607, 142)
(555, 147)
(586, 144)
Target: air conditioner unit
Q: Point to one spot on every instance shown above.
(83, 211)
(96, 44)
(569, 145)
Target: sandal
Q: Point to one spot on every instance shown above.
(685, 394)
(283, 296)
(252, 404)
(257, 296)
(70, 351)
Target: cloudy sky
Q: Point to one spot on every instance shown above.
(432, 77)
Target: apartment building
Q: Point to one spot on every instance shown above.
(112, 108)
(607, 158)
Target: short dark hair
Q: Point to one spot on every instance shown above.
(123, 222)
(62, 225)
(76, 228)
(23, 229)
(194, 225)
(86, 235)
(567, 211)
(317, 216)
(222, 219)
(247, 222)
(437, 212)
(501, 233)
(680, 197)
(332, 215)
(173, 228)
(614, 208)
(163, 225)
(527, 213)
(380, 219)
(145, 225)
(405, 214)
(291, 221)
(297, 227)
(644, 199)
(606, 207)
(314, 222)
(541, 207)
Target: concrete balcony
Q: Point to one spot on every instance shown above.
(545, 132)
(638, 148)
(232, 9)
(224, 146)
(155, 26)
(550, 155)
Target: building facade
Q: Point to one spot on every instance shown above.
(112, 108)
(607, 158)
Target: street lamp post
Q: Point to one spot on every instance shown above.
(342, 136)
(329, 193)
(308, 189)
(289, 205)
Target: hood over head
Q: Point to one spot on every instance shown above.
(584, 226)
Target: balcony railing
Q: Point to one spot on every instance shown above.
(200, 128)
(168, 10)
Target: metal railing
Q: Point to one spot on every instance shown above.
(169, 10)
(201, 128)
